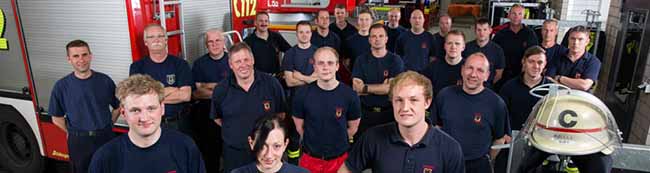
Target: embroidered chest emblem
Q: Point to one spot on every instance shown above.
(311, 61)
(578, 75)
(385, 73)
(477, 118)
(267, 105)
(424, 45)
(428, 169)
(171, 79)
(339, 112)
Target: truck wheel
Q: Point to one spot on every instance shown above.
(19, 149)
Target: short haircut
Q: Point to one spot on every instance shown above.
(517, 5)
(367, 11)
(76, 43)
(482, 21)
(303, 22)
(395, 9)
(153, 25)
(377, 26)
(533, 50)
(263, 126)
(327, 48)
(479, 54)
(455, 32)
(261, 13)
(340, 6)
(321, 10)
(445, 15)
(212, 30)
(139, 84)
(580, 29)
(410, 78)
(551, 21)
(237, 47)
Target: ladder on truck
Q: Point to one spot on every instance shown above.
(181, 21)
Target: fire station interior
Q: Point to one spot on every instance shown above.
(618, 40)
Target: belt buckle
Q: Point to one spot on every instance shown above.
(92, 133)
(376, 109)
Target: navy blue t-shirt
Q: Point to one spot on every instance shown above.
(439, 46)
(267, 52)
(239, 109)
(515, 93)
(383, 149)
(331, 39)
(344, 33)
(586, 67)
(372, 70)
(298, 59)
(443, 74)
(355, 46)
(555, 52)
(173, 72)
(393, 34)
(208, 70)
(494, 55)
(415, 50)
(514, 45)
(173, 152)
(328, 115)
(474, 120)
(85, 102)
(286, 168)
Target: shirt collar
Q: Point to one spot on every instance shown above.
(396, 138)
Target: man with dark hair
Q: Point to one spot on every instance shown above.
(411, 144)
(241, 99)
(341, 26)
(266, 45)
(79, 105)
(147, 147)
(324, 36)
(415, 45)
(514, 40)
(326, 123)
(474, 115)
(371, 76)
(357, 44)
(171, 71)
(577, 68)
(493, 51)
(446, 72)
(297, 64)
(393, 28)
(549, 43)
(444, 22)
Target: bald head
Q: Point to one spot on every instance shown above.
(393, 16)
(215, 42)
(475, 71)
(478, 58)
(445, 24)
(417, 19)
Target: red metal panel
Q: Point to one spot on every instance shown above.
(55, 140)
(140, 14)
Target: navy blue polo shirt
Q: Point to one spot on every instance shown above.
(173, 72)
(372, 70)
(85, 102)
(173, 152)
(586, 67)
(331, 39)
(355, 46)
(267, 52)
(439, 46)
(415, 50)
(515, 93)
(494, 55)
(554, 52)
(299, 59)
(239, 109)
(393, 34)
(383, 149)
(442, 74)
(474, 120)
(208, 70)
(514, 45)
(344, 33)
(286, 168)
(326, 116)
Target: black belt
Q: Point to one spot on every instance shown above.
(321, 156)
(376, 108)
(90, 132)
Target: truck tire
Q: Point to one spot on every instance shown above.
(19, 150)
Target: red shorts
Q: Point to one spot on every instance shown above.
(316, 165)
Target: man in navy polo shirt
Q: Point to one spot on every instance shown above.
(514, 40)
(324, 36)
(446, 72)
(146, 147)
(549, 35)
(298, 63)
(577, 68)
(474, 115)
(393, 28)
(174, 73)
(241, 99)
(371, 76)
(266, 45)
(357, 44)
(444, 23)
(492, 50)
(411, 145)
(341, 26)
(415, 45)
(326, 123)
(207, 72)
(79, 105)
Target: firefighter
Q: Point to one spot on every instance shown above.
(267, 141)
(444, 22)
(173, 72)
(474, 115)
(577, 68)
(415, 45)
(207, 71)
(514, 39)
(411, 145)
(79, 105)
(371, 76)
(393, 28)
(493, 51)
(549, 35)
(357, 44)
(147, 147)
(446, 72)
(341, 26)
(324, 36)
(335, 114)
(239, 100)
(266, 45)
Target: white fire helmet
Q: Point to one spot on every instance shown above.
(571, 122)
